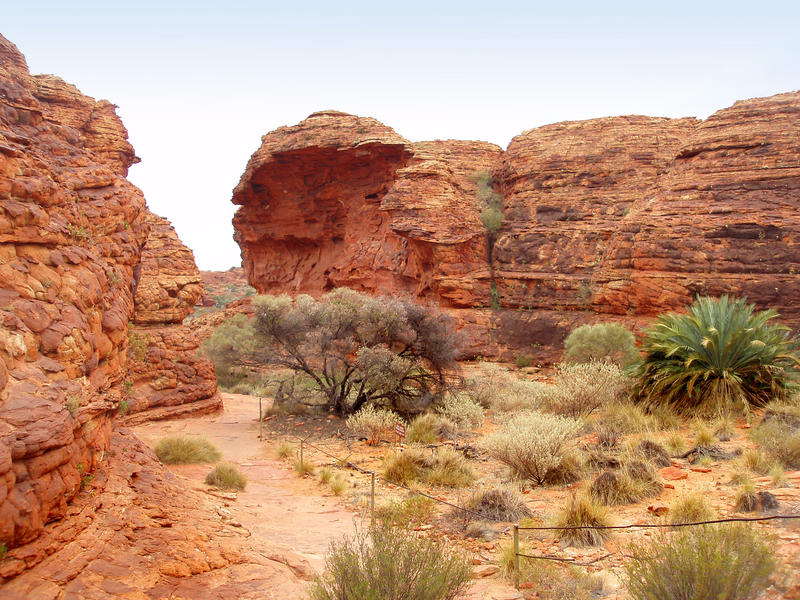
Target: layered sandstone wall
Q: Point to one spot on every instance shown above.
(71, 229)
(613, 218)
(168, 377)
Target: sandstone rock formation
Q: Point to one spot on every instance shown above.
(71, 229)
(167, 378)
(613, 218)
(137, 532)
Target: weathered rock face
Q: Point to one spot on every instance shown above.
(610, 218)
(71, 229)
(167, 377)
(336, 201)
(723, 219)
(137, 532)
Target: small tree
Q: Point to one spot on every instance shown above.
(360, 350)
(606, 342)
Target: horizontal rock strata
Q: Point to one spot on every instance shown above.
(617, 218)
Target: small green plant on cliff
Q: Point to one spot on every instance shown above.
(182, 450)
(3, 550)
(137, 346)
(718, 357)
(78, 232)
(606, 342)
(123, 407)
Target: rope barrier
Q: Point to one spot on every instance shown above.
(660, 525)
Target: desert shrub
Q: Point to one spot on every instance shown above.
(285, 450)
(623, 417)
(497, 504)
(387, 563)
(580, 389)
(786, 412)
(703, 434)
(690, 508)
(304, 467)
(653, 452)
(780, 441)
(724, 428)
(544, 580)
(496, 388)
(372, 423)
(523, 361)
(730, 561)
(634, 481)
(444, 466)
(462, 411)
(532, 443)
(227, 477)
(675, 443)
(778, 475)
(756, 461)
(325, 475)
(182, 450)
(718, 357)
(571, 468)
(359, 349)
(605, 342)
(583, 511)
(429, 428)
(338, 485)
(411, 510)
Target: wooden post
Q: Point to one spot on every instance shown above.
(260, 421)
(372, 501)
(516, 555)
(302, 464)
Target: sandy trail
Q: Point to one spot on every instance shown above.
(278, 506)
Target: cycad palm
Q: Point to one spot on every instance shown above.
(718, 356)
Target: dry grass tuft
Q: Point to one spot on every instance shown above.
(226, 476)
(182, 450)
(634, 481)
(444, 466)
(496, 505)
(583, 511)
(690, 508)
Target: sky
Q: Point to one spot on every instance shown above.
(198, 83)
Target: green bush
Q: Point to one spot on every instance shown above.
(227, 477)
(730, 561)
(718, 357)
(372, 423)
(182, 450)
(387, 563)
(606, 342)
(462, 411)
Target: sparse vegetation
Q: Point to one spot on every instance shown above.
(717, 358)
(675, 443)
(497, 504)
(532, 443)
(304, 467)
(580, 389)
(703, 434)
(583, 511)
(545, 580)
(462, 411)
(780, 441)
(182, 450)
(3, 550)
(494, 387)
(413, 510)
(226, 476)
(73, 404)
(444, 466)
(285, 450)
(338, 485)
(632, 482)
(731, 561)
(373, 423)
(603, 342)
(387, 563)
(690, 508)
(137, 345)
(325, 475)
(428, 428)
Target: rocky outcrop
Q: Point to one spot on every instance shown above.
(613, 218)
(71, 229)
(136, 531)
(167, 378)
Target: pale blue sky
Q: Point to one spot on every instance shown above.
(198, 83)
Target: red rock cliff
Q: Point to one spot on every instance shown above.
(610, 218)
(71, 229)
(168, 377)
